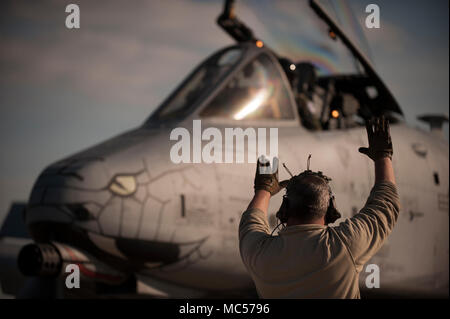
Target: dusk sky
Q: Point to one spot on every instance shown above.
(63, 90)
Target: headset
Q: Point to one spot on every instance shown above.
(332, 213)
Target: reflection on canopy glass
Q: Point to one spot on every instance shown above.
(293, 30)
(203, 79)
(256, 92)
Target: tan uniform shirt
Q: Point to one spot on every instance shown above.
(315, 261)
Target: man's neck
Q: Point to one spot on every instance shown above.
(295, 221)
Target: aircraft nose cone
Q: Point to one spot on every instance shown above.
(106, 197)
(68, 190)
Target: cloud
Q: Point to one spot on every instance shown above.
(128, 53)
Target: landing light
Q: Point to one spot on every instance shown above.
(292, 67)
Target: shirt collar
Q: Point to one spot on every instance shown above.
(302, 228)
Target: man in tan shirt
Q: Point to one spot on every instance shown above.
(309, 259)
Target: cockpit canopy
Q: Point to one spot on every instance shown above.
(257, 91)
(329, 82)
(246, 83)
(198, 85)
(226, 87)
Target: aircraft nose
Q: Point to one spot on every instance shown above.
(67, 191)
(84, 193)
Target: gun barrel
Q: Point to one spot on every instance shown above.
(51, 260)
(41, 260)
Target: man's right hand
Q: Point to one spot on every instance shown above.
(380, 143)
(266, 180)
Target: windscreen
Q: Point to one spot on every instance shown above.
(199, 83)
(293, 30)
(255, 92)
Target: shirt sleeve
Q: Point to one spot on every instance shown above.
(365, 233)
(253, 232)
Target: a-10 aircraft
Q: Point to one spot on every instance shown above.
(136, 223)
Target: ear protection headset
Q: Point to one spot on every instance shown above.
(332, 213)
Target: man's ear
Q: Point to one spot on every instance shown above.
(332, 213)
(284, 183)
(282, 213)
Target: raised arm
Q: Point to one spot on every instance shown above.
(380, 149)
(254, 228)
(266, 185)
(366, 232)
(384, 172)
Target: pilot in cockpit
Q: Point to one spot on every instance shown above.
(310, 102)
(308, 96)
(319, 108)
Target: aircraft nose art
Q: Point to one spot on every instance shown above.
(68, 191)
(81, 192)
(125, 202)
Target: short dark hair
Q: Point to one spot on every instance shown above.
(309, 197)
